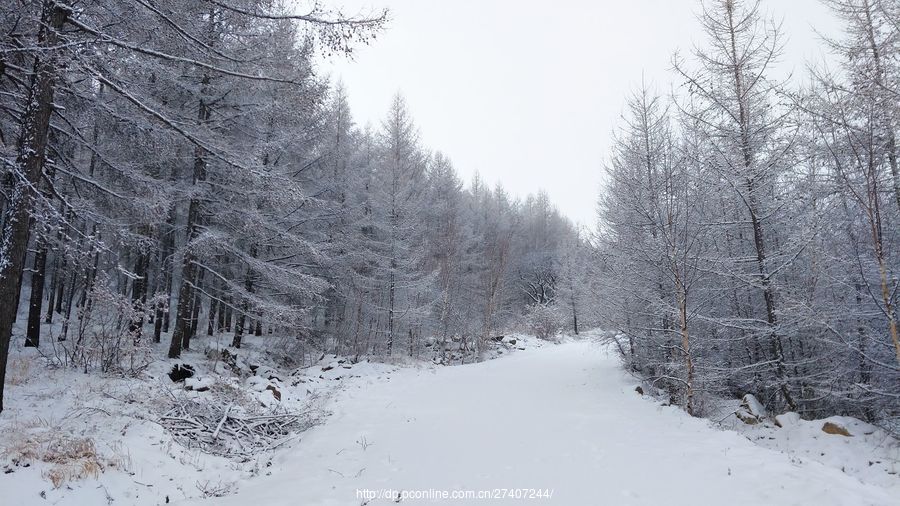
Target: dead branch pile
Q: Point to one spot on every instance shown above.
(220, 430)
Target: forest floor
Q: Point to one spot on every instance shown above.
(562, 421)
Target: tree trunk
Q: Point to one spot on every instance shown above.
(229, 312)
(213, 306)
(245, 305)
(67, 309)
(681, 295)
(189, 268)
(29, 166)
(239, 329)
(186, 292)
(139, 292)
(223, 309)
(196, 305)
(33, 334)
(51, 296)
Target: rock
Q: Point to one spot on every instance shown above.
(787, 419)
(198, 384)
(257, 383)
(746, 417)
(329, 366)
(752, 405)
(229, 357)
(275, 392)
(180, 372)
(512, 341)
(833, 428)
(751, 411)
(639, 390)
(266, 372)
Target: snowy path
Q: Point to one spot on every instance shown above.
(562, 417)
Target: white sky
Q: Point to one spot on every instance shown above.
(528, 92)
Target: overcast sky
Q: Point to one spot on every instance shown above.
(527, 93)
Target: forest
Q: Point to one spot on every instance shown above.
(220, 283)
(748, 236)
(173, 169)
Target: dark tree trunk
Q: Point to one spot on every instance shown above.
(229, 313)
(66, 310)
(195, 311)
(238, 330)
(245, 306)
(33, 334)
(189, 268)
(139, 291)
(51, 297)
(221, 316)
(29, 164)
(186, 292)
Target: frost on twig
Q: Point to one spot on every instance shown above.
(224, 430)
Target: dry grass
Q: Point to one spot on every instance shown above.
(18, 370)
(71, 458)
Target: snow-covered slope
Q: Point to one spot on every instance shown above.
(562, 418)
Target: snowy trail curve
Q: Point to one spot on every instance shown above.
(562, 417)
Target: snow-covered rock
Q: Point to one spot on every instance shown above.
(787, 419)
(753, 406)
(751, 411)
(257, 383)
(199, 384)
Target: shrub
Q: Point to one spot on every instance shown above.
(543, 320)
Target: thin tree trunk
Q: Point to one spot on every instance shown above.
(189, 268)
(213, 306)
(33, 334)
(139, 292)
(229, 314)
(195, 311)
(52, 289)
(223, 309)
(239, 328)
(245, 304)
(753, 209)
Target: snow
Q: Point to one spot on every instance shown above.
(563, 418)
(133, 460)
(869, 454)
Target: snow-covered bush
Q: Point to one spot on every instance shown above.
(105, 340)
(543, 320)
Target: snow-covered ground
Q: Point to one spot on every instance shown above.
(560, 420)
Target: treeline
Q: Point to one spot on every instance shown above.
(749, 228)
(179, 168)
